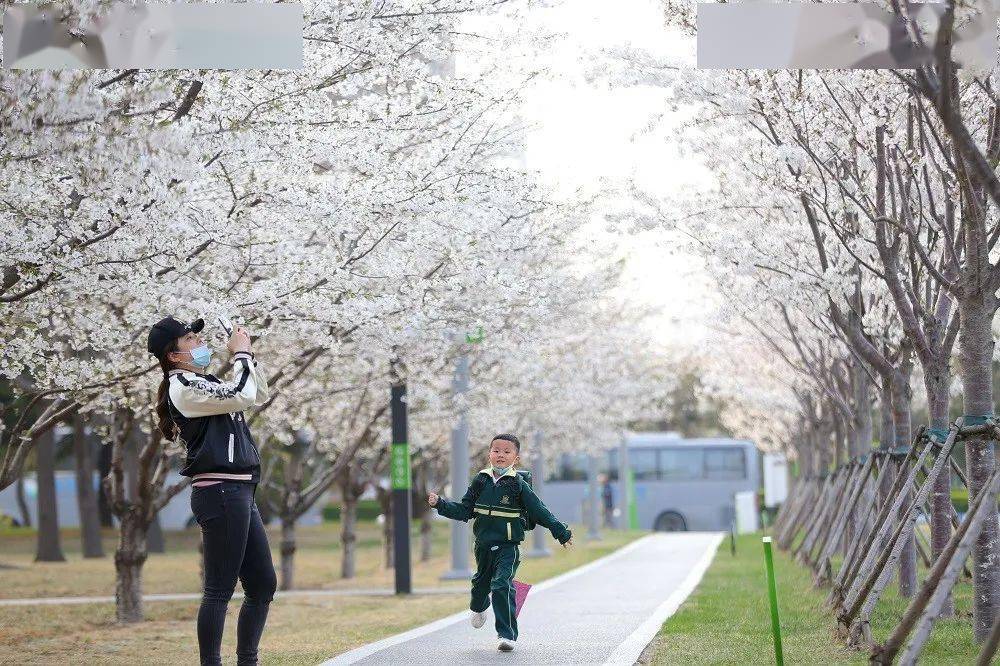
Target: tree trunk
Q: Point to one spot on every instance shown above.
(129, 558)
(422, 512)
(886, 435)
(426, 530)
(806, 466)
(385, 502)
(936, 381)
(86, 494)
(103, 502)
(902, 397)
(49, 546)
(886, 439)
(862, 440)
(22, 502)
(264, 509)
(824, 443)
(155, 543)
(130, 466)
(348, 533)
(839, 450)
(287, 552)
(975, 354)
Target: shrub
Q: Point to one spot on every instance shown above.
(367, 510)
(960, 499)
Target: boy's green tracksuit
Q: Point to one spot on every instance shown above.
(498, 528)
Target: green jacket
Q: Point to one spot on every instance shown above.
(497, 507)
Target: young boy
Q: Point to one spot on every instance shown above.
(495, 498)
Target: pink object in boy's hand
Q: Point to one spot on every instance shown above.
(520, 593)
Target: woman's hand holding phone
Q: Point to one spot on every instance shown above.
(239, 340)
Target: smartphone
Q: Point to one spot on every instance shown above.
(227, 326)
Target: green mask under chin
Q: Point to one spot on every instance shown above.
(500, 471)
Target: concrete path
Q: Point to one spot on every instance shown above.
(605, 612)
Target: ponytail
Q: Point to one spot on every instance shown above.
(166, 426)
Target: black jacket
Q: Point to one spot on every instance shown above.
(209, 414)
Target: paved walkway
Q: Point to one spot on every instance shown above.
(604, 612)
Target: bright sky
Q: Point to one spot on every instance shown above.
(587, 132)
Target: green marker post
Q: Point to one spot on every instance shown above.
(772, 592)
(633, 508)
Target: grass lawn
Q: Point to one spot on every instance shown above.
(300, 630)
(726, 620)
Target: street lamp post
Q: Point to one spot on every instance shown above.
(539, 548)
(460, 461)
(460, 473)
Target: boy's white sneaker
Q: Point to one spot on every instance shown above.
(478, 619)
(506, 645)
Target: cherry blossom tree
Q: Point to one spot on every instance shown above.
(876, 228)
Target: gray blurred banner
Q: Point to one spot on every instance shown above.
(796, 35)
(157, 36)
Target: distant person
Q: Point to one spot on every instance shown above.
(224, 465)
(608, 500)
(495, 499)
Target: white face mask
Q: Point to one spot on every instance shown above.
(201, 356)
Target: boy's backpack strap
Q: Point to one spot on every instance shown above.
(524, 479)
(477, 486)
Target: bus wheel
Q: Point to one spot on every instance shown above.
(670, 521)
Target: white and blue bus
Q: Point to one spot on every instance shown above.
(680, 484)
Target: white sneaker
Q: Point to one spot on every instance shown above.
(478, 619)
(506, 645)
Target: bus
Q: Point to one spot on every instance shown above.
(680, 484)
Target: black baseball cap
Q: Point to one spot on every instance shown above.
(166, 331)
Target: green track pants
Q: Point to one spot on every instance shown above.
(494, 580)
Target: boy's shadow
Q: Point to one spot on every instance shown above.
(481, 654)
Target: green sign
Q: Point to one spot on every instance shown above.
(478, 337)
(400, 466)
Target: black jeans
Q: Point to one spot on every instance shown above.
(235, 546)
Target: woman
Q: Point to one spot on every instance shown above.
(224, 466)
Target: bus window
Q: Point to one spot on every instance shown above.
(725, 464)
(576, 466)
(571, 467)
(681, 464)
(643, 464)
